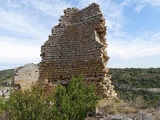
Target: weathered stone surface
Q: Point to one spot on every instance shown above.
(5, 91)
(77, 46)
(26, 75)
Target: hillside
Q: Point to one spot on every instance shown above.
(6, 75)
(134, 83)
(136, 77)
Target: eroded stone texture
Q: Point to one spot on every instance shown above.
(25, 76)
(78, 46)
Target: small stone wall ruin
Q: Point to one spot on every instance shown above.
(26, 76)
(77, 46)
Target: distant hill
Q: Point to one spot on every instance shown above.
(136, 77)
(6, 75)
(133, 83)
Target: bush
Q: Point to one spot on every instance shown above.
(28, 105)
(149, 98)
(71, 103)
(2, 102)
(76, 101)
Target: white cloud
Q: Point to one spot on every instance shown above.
(140, 4)
(139, 7)
(18, 23)
(13, 51)
(127, 2)
(54, 9)
(152, 2)
(129, 48)
(114, 15)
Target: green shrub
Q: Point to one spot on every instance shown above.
(76, 101)
(136, 77)
(65, 103)
(28, 105)
(150, 98)
(2, 102)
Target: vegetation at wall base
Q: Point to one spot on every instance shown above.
(71, 103)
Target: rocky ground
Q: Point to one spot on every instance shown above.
(5, 91)
(115, 109)
(141, 115)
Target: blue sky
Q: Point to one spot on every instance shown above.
(133, 34)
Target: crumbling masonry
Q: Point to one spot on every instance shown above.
(26, 76)
(78, 46)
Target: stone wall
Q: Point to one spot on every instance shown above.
(26, 75)
(77, 46)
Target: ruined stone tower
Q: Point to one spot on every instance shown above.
(78, 46)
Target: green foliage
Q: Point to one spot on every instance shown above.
(29, 105)
(2, 102)
(6, 75)
(136, 77)
(71, 103)
(75, 101)
(151, 98)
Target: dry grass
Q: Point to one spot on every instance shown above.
(140, 103)
(116, 106)
(4, 116)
